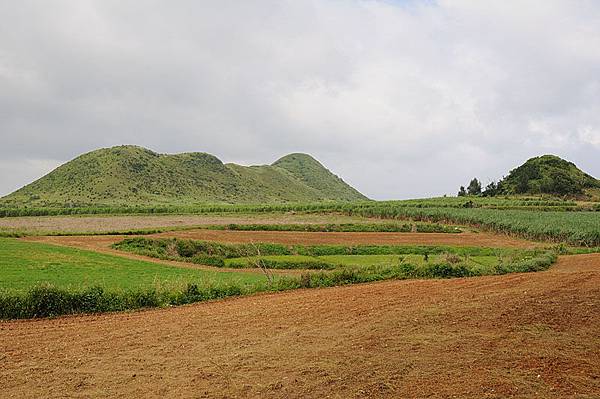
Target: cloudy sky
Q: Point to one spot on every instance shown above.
(402, 99)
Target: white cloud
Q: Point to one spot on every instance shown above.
(590, 135)
(402, 99)
(16, 174)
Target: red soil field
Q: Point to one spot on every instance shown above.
(521, 335)
(480, 239)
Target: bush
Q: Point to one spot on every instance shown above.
(345, 227)
(208, 260)
(446, 270)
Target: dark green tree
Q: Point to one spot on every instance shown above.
(462, 192)
(474, 187)
(491, 190)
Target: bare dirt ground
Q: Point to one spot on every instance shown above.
(69, 224)
(482, 239)
(521, 335)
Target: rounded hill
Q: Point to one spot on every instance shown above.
(134, 175)
(548, 174)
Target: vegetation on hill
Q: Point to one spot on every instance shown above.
(547, 174)
(134, 175)
(309, 171)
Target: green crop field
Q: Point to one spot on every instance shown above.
(463, 261)
(577, 228)
(24, 265)
(528, 217)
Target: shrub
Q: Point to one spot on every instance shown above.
(208, 260)
(446, 270)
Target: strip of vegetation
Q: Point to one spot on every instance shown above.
(280, 262)
(214, 253)
(323, 257)
(536, 218)
(49, 301)
(11, 234)
(535, 203)
(345, 227)
(575, 228)
(174, 209)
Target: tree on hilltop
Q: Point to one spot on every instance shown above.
(474, 187)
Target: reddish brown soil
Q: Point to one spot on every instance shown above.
(521, 335)
(288, 237)
(480, 239)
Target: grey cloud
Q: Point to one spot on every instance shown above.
(402, 99)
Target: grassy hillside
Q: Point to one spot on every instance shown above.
(137, 176)
(309, 171)
(548, 174)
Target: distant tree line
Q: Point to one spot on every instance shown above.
(475, 189)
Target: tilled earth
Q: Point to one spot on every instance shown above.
(479, 239)
(104, 223)
(520, 335)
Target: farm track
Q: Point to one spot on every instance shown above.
(102, 244)
(481, 239)
(519, 335)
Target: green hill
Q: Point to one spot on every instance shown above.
(306, 169)
(137, 176)
(548, 174)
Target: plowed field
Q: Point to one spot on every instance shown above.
(521, 335)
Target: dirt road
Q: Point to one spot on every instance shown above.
(480, 239)
(521, 335)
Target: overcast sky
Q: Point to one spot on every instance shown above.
(402, 99)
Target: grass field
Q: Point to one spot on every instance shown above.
(378, 262)
(24, 265)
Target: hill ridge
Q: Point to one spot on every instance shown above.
(548, 174)
(134, 174)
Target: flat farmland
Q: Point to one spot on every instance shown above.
(103, 243)
(520, 335)
(109, 223)
(514, 335)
